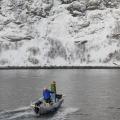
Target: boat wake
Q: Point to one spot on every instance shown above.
(23, 112)
(62, 114)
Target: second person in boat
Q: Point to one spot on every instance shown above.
(53, 89)
(47, 95)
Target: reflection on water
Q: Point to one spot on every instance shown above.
(89, 94)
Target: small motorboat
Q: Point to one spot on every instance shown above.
(40, 107)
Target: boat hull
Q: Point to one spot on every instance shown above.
(46, 108)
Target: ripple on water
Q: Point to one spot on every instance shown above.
(61, 115)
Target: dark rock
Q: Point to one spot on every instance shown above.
(111, 3)
(93, 4)
(42, 9)
(33, 60)
(67, 1)
(77, 8)
(85, 24)
(56, 49)
(80, 42)
(18, 22)
(116, 36)
(17, 38)
(34, 50)
(7, 22)
(116, 31)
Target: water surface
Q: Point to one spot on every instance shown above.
(92, 94)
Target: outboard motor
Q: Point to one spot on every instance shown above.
(37, 104)
(36, 109)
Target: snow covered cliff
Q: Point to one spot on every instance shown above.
(59, 32)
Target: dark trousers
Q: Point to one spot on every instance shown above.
(58, 96)
(48, 100)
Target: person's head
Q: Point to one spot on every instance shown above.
(45, 88)
(54, 82)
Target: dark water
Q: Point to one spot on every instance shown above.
(89, 94)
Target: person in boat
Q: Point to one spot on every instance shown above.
(47, 95)
(53, 86)
(54, 95)
(53, 89)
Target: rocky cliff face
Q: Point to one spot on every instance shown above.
(59, 32)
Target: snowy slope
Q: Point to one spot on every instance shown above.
(59, 32)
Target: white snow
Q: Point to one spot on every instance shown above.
(67, 33)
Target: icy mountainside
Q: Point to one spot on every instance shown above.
(59, 32)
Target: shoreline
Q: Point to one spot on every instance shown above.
(58, 67)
